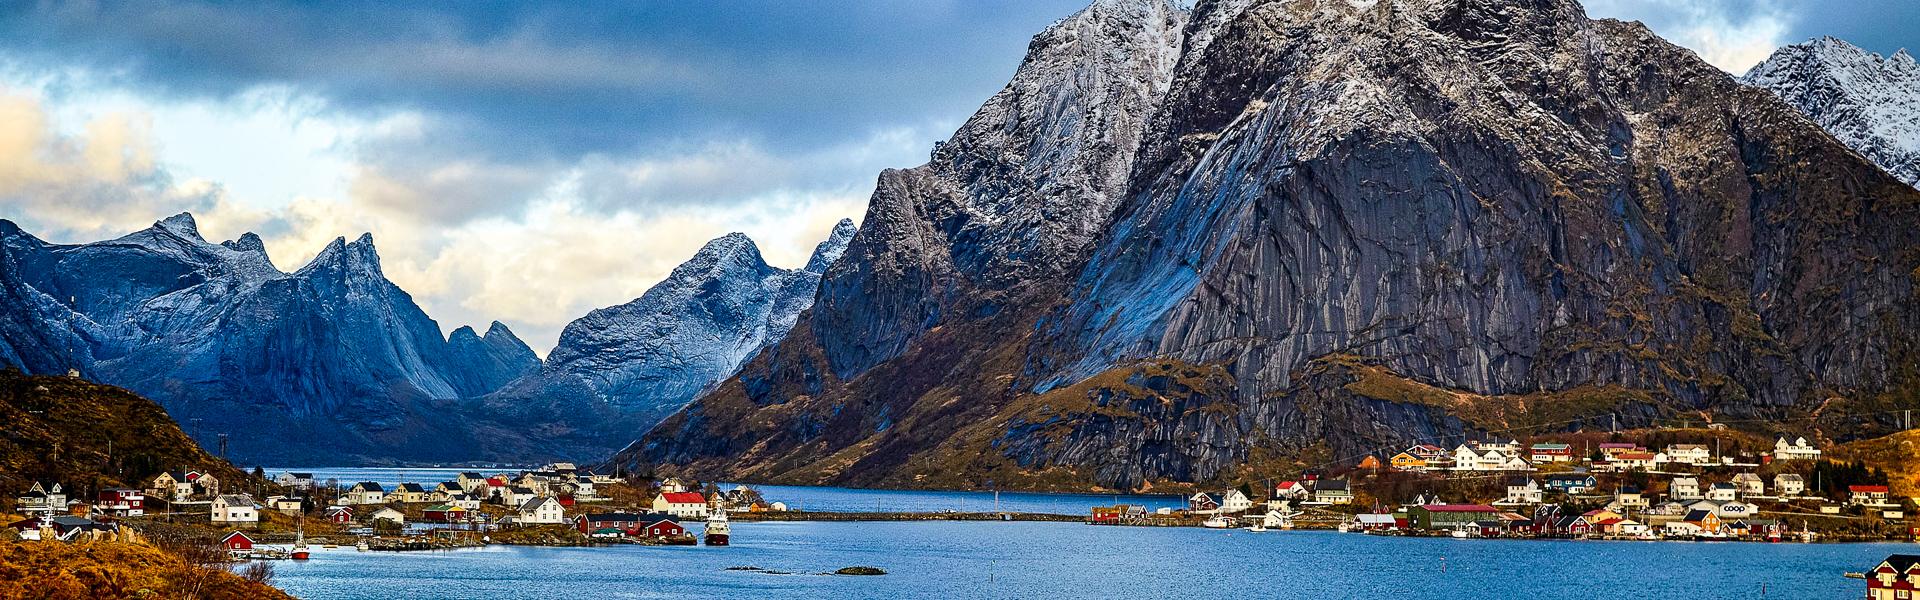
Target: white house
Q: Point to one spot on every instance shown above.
(1723, 492)
(542, 510)
(1691, 454)
(408, 493)
(1798, 449)
(234, 508)
(388, 514)
(1788, 485)
(686, 505)
(285, 504)
(466, 501)
(1682, 529)
(366, 492)
(1684, 488)
(1630, 527)
(673, 485)
(1290, 490)
(1749, 484)
(515, 495)
(1522, 490)
(1235, 502)
(298, 481)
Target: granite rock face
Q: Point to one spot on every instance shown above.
(1011, 202)
(1344, 227)
(329, 363)
(1870, 103)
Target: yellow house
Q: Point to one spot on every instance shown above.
(1407, 462)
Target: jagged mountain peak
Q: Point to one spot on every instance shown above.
(340, 255)
(1869, 103)
(498, 328)
(830, 250)
(182, 225)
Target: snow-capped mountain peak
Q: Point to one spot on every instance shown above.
(1870, 103)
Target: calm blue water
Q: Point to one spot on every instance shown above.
(813, 498)
(1071, 560)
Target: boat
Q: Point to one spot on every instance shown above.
(718, 531)
(300, 551)
(362, 546)
(1217, 522)
(1259, 526)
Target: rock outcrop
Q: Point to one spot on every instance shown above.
(1344, 227)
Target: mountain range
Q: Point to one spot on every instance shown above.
(1182, 245)
(1257, 237)
(333, 362)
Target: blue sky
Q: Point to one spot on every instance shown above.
(575, 150)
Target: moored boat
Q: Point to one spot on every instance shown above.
(718, 530)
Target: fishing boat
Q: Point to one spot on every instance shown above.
(362, 546)
(300, 551)
(1258, 526)
(1217, 522)
(717, 529)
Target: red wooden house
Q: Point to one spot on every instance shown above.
(339, 514)
(1894, 578)
(237, 541)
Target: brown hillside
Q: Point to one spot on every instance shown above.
(59, 571)
(1898, 454)
(88, 437)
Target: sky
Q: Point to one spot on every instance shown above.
(529, 161)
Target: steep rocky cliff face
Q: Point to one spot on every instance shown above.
(647, 358)
(331, 362)
(1344, 227)
(1006, 208)
(1870, 103)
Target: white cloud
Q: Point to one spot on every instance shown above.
(1734, 35)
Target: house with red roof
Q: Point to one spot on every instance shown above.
(685, 505)
(1868, 495)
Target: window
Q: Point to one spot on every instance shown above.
(1902, 594)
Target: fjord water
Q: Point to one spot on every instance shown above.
(949, 559)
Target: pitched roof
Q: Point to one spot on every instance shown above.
(369, 486)
(1331, 485)
(410, 487)
(684, 498)
(1697, 515)
(533, 503)
(1867, 488)
(1901, 562)
(235, 534)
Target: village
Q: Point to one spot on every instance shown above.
(1552, 489)
(557, 504)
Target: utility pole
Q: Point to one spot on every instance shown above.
(223, 446)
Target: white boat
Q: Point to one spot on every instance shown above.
(1345, 527)
(1258, 526)
(1217, 522)
(1461, 533)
